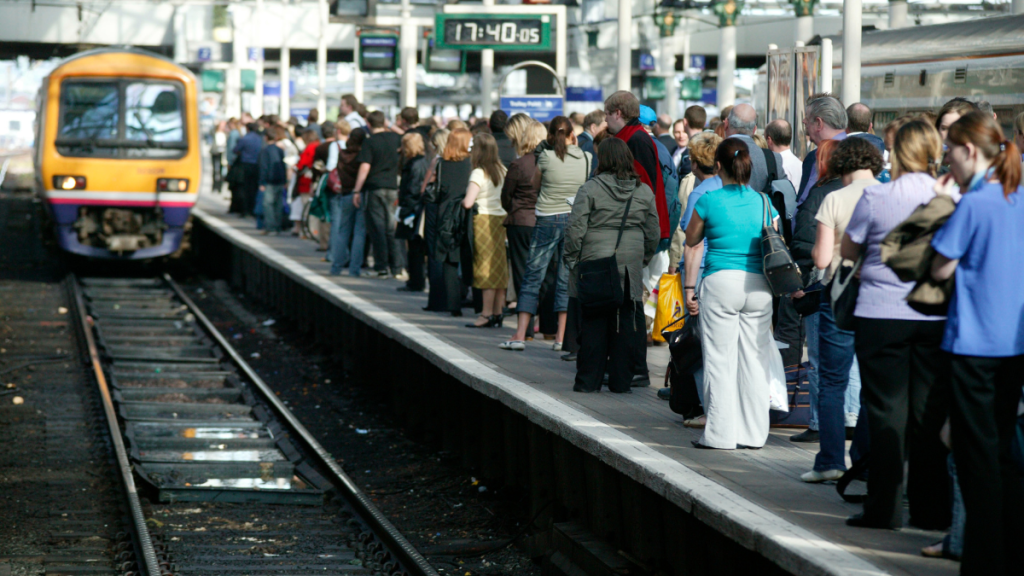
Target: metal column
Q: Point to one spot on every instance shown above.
(625, 68)
(804, 28)
(727, 67)
(257, 30)
(851, 51)
(898, 13)
(486, 73)
(321, 61)
(408, 42)
(286, 63)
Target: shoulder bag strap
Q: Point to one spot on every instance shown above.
(764, 201)
(622, 225)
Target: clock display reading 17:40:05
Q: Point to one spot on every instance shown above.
(511, 32)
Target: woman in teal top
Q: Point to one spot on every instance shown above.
(735, 305)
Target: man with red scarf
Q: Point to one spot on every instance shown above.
(622, 112)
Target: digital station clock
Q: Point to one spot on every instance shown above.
(508, 32)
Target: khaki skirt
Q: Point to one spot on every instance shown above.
(490, 265)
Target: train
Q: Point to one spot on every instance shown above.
(117, 159)
(919, 68)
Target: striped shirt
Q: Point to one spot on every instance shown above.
(882, 208)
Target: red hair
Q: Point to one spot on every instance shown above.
(981, 130)
(824, 156)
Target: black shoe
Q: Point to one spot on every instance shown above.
(492, 322)
(584, 390)
(570, 357)
(626, 391)
(849, 432)
(640, 381)
(665, 393)
(860, 521)
(697, 444)
(745, 447)
(808, 436)
(457, 314)
(499, 320)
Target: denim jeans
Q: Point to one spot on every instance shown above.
(548, 242)
(835, 357)
(811, 329)
(273, 207)
(348, 235)
(852, 400)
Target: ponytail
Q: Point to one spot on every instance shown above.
(1006, 166)
(982, 130)
(559, 129)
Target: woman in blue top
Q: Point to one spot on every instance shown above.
(735, 305)
(983, 242)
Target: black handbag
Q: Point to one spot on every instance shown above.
(599, 284)
(781, 271)
(684, 345)
(843, 295)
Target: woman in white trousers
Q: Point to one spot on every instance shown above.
(734, 305)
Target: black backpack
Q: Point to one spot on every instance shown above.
(782, 194)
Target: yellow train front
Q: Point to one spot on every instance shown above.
(117, 153)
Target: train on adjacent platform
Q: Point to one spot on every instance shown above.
(117, 159)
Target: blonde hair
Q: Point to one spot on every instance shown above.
(343, 127)
(457, 147)
(917, 148)
(760, 141)
(516, 127)
(456, 124)
(534, 134)
(702, 150)
(412, 145)
(439, 139)
(1018, 123)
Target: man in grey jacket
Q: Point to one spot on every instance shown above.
(742, 124)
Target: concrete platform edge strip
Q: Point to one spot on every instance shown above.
(792, 547)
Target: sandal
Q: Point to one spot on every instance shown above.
(698, 422)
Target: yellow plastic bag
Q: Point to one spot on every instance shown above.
(670, 304)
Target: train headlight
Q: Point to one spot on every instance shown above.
(172, 185)
(69, 182)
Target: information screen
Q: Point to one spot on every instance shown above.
(445, 61)
(496, 31)
(378, 53)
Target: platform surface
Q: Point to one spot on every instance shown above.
(765, 498)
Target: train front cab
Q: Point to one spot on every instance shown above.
(119, 159)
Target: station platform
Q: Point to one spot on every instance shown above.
(752, 497)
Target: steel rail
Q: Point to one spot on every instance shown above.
(406, 555)
(150, 565)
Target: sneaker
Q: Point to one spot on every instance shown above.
(402, 276)
(809, 436)
(665, 393)
(570, 357)
(557, 347)
(815, 477)
(375, 274)
(517, 345)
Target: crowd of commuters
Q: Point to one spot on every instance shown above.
(573, 219)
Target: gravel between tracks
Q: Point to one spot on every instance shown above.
(426, 494)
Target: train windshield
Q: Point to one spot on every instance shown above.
(129, 118)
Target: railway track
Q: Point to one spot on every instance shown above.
(220, 477)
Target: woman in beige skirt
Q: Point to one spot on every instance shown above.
(490, 265)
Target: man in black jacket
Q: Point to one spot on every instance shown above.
(506, 152)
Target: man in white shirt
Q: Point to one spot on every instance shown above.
(348, 107)
(779, 135)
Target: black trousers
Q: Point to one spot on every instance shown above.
(573, 327)
(417, 263)
(905, 386)
(251, 186)
(519, 238)
(612, 340)
(789, 328)
(986, 392)
(218, 171)
(437, 298)
(453, 289)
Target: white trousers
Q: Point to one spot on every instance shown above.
(736, 334)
